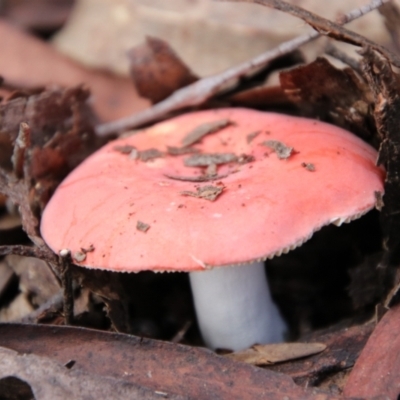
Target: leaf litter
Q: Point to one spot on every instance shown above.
(59, 126)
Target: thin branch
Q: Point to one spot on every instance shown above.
(202, 90)
(326, 27)
(28, 251)
(334, 52)
(66, 281)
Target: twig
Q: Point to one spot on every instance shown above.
(326, 27)
(202, 90)
(28, 251)
(66, 280)
(334, 52)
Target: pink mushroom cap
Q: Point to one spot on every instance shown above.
(268, 205)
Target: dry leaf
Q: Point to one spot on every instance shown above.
(157, 365)
(274, 353)
(376, 372)
(209, 36)
(157, 71)
(47, 379)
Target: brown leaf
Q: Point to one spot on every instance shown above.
(174, 369)
(343, 348)
(278, 352)
(335, 95)
(199, 92)
(157, 71)
(47, 379)
(377, 370)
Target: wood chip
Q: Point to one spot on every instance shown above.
(207, 192)
(379, 200)
(274, 353)
(204, 160)
(202, 130)
(150, 154)
(127, 149)
(245, 158)
(308, 166)
(200, 178)
(282, 151)
(251, 136)
(142, 226)
(178, 151)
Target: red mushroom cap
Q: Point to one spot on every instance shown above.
(119, 212)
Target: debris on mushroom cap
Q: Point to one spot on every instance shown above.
(102, 200)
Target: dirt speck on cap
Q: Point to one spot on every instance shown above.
(142, 226)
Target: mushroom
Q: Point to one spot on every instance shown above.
(214, 193)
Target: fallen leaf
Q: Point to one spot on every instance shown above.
(157, 71)
(209, 36)
(333, 94)
(48, 379)
(160, 366)
(278, 352)
(343, 348)
(377, 370)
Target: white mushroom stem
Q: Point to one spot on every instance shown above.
(234, 307)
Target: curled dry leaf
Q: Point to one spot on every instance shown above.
(335, 95)
(278, 352)
(157, 71)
